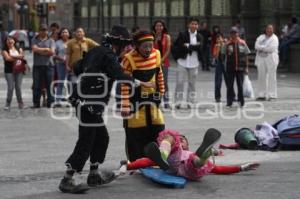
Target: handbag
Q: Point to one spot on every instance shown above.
(19, 66)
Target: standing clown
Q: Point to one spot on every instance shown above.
(143, 120)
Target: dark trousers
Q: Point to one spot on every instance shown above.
(138, 138)
(42, 76)
(284, 48)
(206, 58)
(166, 95)
(92, 143)
(231, 76)
(219, 73)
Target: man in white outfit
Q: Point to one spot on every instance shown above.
(189, 43)
(267, 60)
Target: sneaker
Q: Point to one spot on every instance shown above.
(167, 106)
(218, 100)
(95, 180)
(20, 105)
(35, 106)
(68, 185)
(152, 151)
(177, 106)
(210, 138)
(261, 99)
(7, 108)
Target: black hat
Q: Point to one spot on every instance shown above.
(119, 36)
(119, 32)
(43, 27)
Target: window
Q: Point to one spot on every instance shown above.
(84, 11)
(94, 11)
(159, 8)
(115, 8)
(128, 9)
(177, 8)
(105, 8)
(143, 9)
(197, 7)
(220, 7)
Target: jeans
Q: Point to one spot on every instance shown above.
(14, 81)
(219, 73)
(192, 77)
(42, 76)
(92, 143)
(61, 76)
(72, 79)
(239, 76)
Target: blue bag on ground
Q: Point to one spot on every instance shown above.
(289, 130)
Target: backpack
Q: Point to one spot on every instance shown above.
(289, 130)
(267, 136)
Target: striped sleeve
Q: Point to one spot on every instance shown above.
(161, 83)
(125, 88)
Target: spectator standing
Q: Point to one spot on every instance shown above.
(162, 42)
(76, 48)
(43, 49)
(10, 55)
(188, 54)
(267, 60)
(292, 37)
(218, 55)
(236, 65)
(204, 31)
(241, 29)
(54, 31)
(60, 59)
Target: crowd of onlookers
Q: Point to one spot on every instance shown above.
(56, 50)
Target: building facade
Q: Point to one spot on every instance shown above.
(98, 16)
(16, 14)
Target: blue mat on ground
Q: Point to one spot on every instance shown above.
(161, 177)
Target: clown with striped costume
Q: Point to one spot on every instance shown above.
(143, 120)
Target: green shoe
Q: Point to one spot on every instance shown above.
(68, 185)
(152, 151)
(210, 138)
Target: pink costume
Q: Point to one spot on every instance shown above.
(180, 160)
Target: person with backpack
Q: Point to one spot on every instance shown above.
(99, 68)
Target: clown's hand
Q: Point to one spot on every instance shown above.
(249, 166)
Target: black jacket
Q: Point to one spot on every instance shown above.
(103, 66)
(180, 51)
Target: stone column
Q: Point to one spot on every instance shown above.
(296, 8)
(250, 15)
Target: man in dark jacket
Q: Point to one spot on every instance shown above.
(100, 69)
(189, 57)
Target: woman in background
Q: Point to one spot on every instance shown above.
(162, 42)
